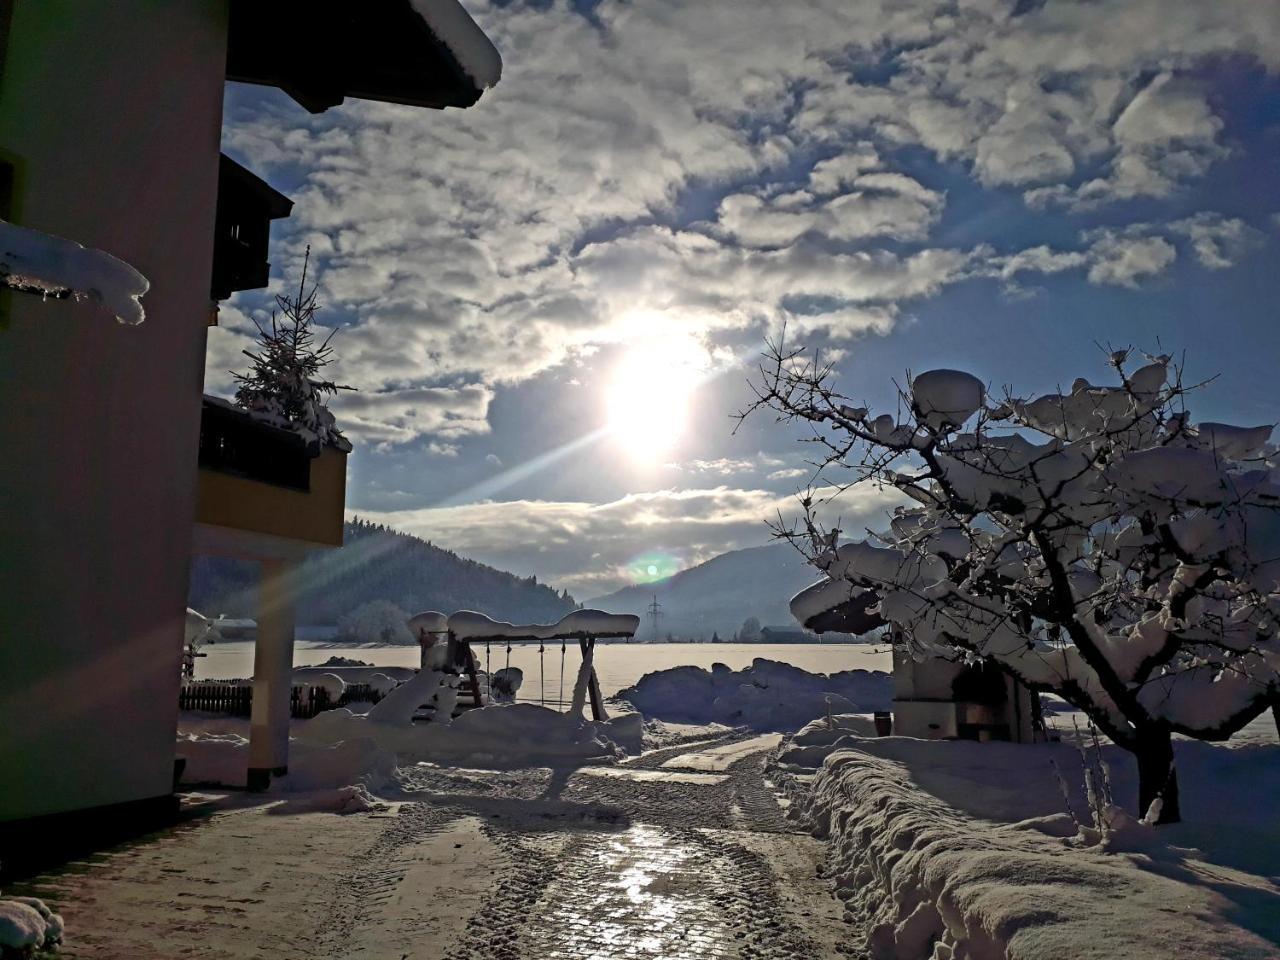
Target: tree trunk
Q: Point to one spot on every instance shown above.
(1157, 776)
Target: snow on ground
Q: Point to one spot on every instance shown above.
(496, 737)
(26, 925)
(344, 748)
(767, 695)
(965, 851)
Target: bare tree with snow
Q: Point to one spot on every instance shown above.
(1096, 544)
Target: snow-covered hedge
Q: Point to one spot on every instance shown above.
(767, 695)
(937, 880)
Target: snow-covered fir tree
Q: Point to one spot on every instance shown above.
(284, 385)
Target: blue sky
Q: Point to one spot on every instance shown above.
(988, 185)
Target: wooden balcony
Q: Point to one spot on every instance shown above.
(266, 484)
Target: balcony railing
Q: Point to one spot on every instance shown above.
(234, 443)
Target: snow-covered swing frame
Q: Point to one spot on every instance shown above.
(466, 627)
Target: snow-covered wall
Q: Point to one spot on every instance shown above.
(112, 111)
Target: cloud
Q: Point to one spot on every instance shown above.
(1217, 241)
(874, 205)
(585, 547)
(789, 473)
(397, 416)
(1166, 135)
(1123, 259)
(478, 248)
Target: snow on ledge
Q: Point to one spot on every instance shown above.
(453, 27)
(43, 263)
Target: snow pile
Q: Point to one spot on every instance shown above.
(317, 767)
(818, 738)
(499, 737)
(354, 798)
(963, 851)
(331, 684)
(27, 925)
(452, 26)
(213, 757)
(764, 696)
(42, 263)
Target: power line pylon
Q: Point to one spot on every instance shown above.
(655, 614)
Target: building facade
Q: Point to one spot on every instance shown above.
(110, 123)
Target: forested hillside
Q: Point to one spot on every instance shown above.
(378, 563)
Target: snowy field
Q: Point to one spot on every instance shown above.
(618, 665)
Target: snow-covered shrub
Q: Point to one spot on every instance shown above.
(928, 881)
(378, 621)
(1097, 544)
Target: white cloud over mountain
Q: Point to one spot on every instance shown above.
(548, 537)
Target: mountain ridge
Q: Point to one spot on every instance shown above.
(719, 594)
(379, 563)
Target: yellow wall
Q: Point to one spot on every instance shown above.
(315, 517)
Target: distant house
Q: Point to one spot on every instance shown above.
(936, 699)
(110, 118)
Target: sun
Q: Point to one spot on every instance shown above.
(649, 395)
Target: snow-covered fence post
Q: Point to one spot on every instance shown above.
(1096, 544)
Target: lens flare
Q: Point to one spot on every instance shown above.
(652, 567)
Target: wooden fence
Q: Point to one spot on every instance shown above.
(237, 699)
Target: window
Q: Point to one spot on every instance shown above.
(242, 229)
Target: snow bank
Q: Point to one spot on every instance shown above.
(319, 767)
(213, 757)
(765, 696)
(43, 263)
(499, 736)
(354, 798)
(818, 738)
(955, 851)
(26, 925)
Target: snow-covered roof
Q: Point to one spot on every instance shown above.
(432, 621)
(453, 27)
(426, 53)
(53, 266)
